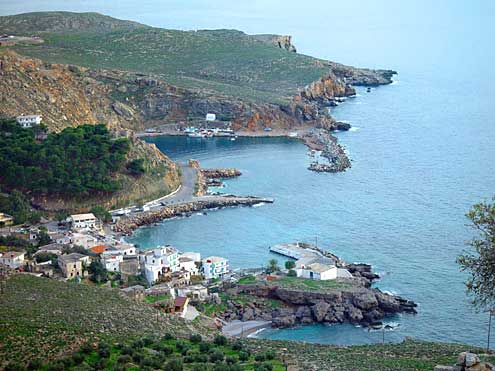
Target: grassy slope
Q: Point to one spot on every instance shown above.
(228, 62)
(44, 317)
(409, 355)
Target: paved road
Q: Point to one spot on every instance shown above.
(242, 329)
(186, 191)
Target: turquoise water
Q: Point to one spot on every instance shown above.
(423, 151)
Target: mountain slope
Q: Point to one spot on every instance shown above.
(225, 62)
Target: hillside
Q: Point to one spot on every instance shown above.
(45, 318)
(227, 62)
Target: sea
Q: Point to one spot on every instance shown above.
(422, 150)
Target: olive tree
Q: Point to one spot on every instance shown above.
(479, 260)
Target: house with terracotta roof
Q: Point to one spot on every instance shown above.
(98, 249)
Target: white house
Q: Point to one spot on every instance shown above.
(214, 267)
(13, 259)
(112, 262)
(83, 221)
(158, 261)
(80, 239)
(318, 271)
(28, 120)
(125, 249)
(188, 264)
(195, 292)
(211, 117)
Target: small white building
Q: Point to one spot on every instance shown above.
(112, 262)
(81, 222)
(189, 265)
(214, 267)
(120, 249)
(13, 259)
(318, 271)
(159, 261)
(80, 239)
(211, 117)
(195, 292)
(27, 121)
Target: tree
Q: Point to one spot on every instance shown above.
(61, 215)
(102, 213)
(18, 207)
(136, 167)
(273, 266)
(480, 263)
(292, 273)
(290, 264)
(98, 272)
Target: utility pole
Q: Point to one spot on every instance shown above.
(316, 241)
(489, 330)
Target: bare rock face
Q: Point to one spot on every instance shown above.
(320, 310)
(467, 361)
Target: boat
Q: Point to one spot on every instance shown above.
(196, 135)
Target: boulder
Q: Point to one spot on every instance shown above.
(122, 109)
(320, 310)
(355, 315)
(365, 300)
(443, 368)
(248, 315)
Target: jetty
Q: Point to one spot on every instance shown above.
(303, 250)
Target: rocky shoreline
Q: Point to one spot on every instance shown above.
(321, 140)
(128, 224)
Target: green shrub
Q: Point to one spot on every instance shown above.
(269, 355)
(174, 365)
(220, 340)
(216, 355)
(168, 336)
(237, 346)
(292, 273)
(231, 360)
(195, 338)
(243, 356)
(167, 350)
(34, 364)
(125, 358)
(204, 347)
(259, 357)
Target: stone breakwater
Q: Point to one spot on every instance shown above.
(321, 140)
(221, 173)
(355, 304)
(128, 224)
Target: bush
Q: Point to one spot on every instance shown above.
(85, 367)
(34, 364)
(136, 167)
(165, 349)
(86, 348)
(243, 356)
(168, 336)
(237, 346)
(174, 365)
(231, 360)
(180, 345)
(216, 355)
(14, 366)
(220, 340)
(259, 357)
(204, 347)
(292, 273)
(78, 358)
(201, 358)
(195, 338)
(199, 367)
(123, 359)
(269, 355)
(263, 367)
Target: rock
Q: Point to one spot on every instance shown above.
(284, 321)
(320, 310)
(343, 126)
(354, 314)
(122, 109)
(467, 359)
(443, 368)
(248, 315)
(365, 300)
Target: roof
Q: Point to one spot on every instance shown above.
(180, 301)
(13, 254)
(185, 259)
(215, 259)
(133, 288)
(320, 268)
(51, 247)
(98, 249)
(77, 217)
(33, 117)
(71, 258)
(4, 216)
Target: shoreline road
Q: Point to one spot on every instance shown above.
(186, 192)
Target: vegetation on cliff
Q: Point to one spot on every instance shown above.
(75, 162)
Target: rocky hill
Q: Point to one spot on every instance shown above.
(142, 76)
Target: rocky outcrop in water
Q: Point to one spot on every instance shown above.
(337, 160)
